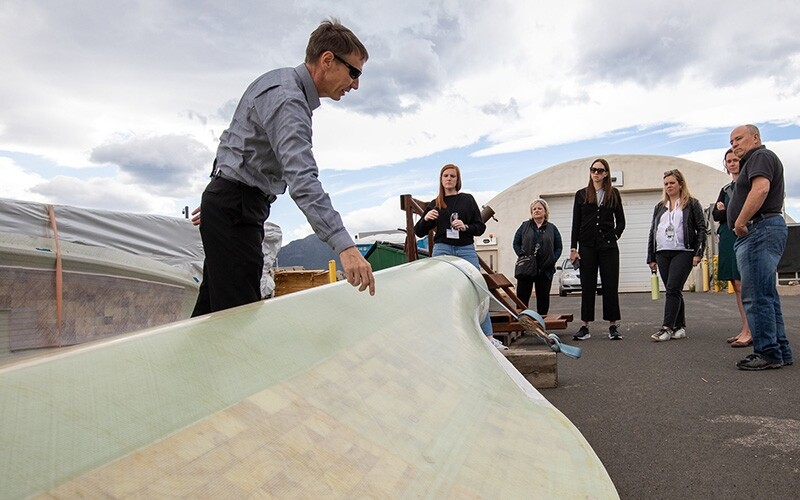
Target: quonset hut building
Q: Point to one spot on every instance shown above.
(639, 179)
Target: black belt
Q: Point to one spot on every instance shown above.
(219, 175)
(760, 217)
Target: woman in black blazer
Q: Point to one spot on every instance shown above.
(598, 221)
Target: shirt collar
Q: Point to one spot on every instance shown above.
(750, 153)
(309, 89)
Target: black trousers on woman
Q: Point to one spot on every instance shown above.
(674, 267)
(606, 260)
(542, 283)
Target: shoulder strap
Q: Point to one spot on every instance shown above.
(728, 193)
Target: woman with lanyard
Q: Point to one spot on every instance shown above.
(676, 243)
(598, 221)
(456, 218)
(726, 265)
(538, 235)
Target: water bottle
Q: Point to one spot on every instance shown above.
(654, 285)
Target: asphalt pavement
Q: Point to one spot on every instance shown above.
(677, 419)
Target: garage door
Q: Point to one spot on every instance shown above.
(634, 275)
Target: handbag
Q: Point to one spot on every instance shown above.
(527, 266)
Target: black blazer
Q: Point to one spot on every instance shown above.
(593, 226)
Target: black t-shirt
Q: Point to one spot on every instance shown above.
(758, 162)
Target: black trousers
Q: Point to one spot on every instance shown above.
(606, 260)
(674, 267)
(525, 286)
(232, 219)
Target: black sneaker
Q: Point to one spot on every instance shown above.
(583, 334)
(757, 362)
(613, 333)
(747, 358)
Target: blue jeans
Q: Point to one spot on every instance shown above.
(757, 255)
(468, 253)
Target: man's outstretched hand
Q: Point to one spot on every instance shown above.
(357, 270)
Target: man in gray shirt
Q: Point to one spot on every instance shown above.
(266, 150)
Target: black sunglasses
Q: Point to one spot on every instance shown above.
(354, 72)
(596, 170)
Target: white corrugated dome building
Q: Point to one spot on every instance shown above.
(639, 179)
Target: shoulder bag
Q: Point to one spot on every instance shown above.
(527, 265)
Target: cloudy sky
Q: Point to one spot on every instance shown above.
(119, 105)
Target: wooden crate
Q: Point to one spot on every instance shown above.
(290, 281)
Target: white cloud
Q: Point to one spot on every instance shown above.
(789, 153)
(168, 164)
(104, 193)
(298, 233)
(387, 215)
(18, 183)
(113, 83)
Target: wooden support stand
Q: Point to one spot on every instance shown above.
(508, 330)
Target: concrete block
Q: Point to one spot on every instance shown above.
(538, 366)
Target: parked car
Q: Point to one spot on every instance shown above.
(569, 280)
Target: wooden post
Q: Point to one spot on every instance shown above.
(411, 241)
(413, 206)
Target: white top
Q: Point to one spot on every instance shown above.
(669, 234)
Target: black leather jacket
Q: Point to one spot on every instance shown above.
(694, 229)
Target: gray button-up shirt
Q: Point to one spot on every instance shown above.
(268, 146)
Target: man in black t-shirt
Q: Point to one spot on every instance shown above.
(755, 213)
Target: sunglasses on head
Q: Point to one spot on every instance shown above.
(354, 72)
(596, 170)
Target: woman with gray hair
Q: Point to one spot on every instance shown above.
(540, 237)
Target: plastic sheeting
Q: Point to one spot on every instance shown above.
(271, 245)
(170, 240)
(105, 292)
(327, 392)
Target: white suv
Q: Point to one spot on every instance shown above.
(569, 279)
